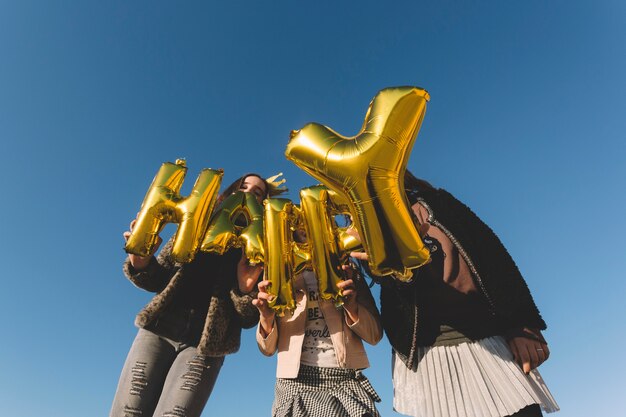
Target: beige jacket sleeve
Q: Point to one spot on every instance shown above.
(368, 327)
(267, 345)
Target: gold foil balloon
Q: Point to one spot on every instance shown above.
(227, 230)
(300, 250)
(368, 170)
(346, 236)
(251, 236)
(347, 239)
(322, 232)
(279, 253)
(163, 204)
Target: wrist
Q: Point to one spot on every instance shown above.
(245, 289)
(267, 325)
(139, 263)
(352, 313)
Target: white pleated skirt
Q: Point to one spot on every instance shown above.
(478, 379)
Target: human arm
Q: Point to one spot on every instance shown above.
(149, 272)
(361, 314)
(140, 263)
(267, 332)
(244, 292)
(529, 348)
(247, 275)
(496, 274)
(244, 308)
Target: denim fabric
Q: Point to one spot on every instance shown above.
(164, 378)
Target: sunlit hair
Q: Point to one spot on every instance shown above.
(411, 182)
(412, 187)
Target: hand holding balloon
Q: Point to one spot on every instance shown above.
(349, 294)
(262, 303)
(247, 274)
(140, 262)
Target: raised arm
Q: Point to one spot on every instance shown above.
(361, 312)
(267, 331)
(150, 273)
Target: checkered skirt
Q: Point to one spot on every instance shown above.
(323, 392)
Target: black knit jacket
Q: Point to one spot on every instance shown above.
(493, 270)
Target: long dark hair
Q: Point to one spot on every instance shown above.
(411, 182)
(238, 183)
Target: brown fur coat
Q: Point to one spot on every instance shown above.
(228, 309)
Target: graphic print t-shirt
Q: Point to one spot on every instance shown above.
(317, 349)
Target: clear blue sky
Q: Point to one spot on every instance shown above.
(526, 125)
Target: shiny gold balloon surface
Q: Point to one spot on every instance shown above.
(237, 222)
(323, 233)
(163, 204)
(368, 171)
(346, 236)
(279, 250)
(300, 250)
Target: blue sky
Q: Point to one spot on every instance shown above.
(525, 124)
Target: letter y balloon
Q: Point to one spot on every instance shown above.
(368, 171)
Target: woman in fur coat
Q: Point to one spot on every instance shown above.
(193, 321)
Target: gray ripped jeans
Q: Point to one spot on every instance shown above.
(164, 378)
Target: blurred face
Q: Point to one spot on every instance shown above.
(254, 185)
(299, 236)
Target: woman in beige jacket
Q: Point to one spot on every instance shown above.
(320, 349)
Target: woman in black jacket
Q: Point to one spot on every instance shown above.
(465, 331)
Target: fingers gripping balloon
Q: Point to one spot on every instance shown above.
(163, 204)
(368, 171)
(224, 233)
